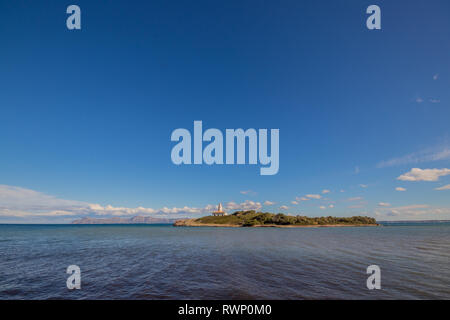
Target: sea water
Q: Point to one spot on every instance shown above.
(165, 262)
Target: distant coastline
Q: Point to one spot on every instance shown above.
(265, 219)
(119, 220)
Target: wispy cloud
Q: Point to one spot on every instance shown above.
(400, 189)
(28, 204)
(363, 185)
(325, 191)
(446, 187)
(419, 211)
(284, 207)
(435, 100)
(314, 196)
(417, 174)
(436, 76)
(294, 202)
(384, 204)
(268, 203)
(356, 206)
(248, 192)
(427, 155)
(358, 202)
(355, 199)
(21, 202)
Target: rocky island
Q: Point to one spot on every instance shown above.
(264, 219)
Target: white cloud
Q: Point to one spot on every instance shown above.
(268, 203)
(417, 174)
(420, 211)
(356, 170)
(426, 155)
(314, 196)
(301, 199)
(419, 100)
(294, 202)
(26, 203)
(284, 207)
(325, 191)
(384, 204)
(400, 189)
(446, 187)
(436, 76)
(246, 205)
(120, 211)
(342, 190)
(355, 199)
(124, 211)
(331, 206)
(322, 207)
(363, 185)
(21, 202)
(435, 100)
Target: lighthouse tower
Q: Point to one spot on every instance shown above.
(219, 211)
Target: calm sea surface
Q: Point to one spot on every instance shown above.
(165, 262)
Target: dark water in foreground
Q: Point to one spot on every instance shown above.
(164, 262)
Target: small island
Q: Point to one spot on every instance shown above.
(252, 218)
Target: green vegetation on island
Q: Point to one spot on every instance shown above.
(254, 219)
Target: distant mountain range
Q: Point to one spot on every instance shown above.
(119, 220)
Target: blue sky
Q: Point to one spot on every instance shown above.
(86, 115)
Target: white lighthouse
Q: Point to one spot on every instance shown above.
(219, 211)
